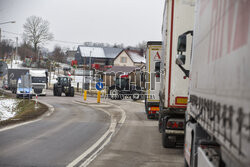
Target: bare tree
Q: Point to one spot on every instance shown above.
(142, 45)
(58, 54)
(6, 48)
(26, 51)
(36, 31)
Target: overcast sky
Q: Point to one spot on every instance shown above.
(108, 21)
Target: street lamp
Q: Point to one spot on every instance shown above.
(5, 23)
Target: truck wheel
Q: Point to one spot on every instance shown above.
(185, 163)
(59, 91)
(166, 143)
(54, 92)
(135, 95)
(114, 94)
(72, 92)
(146, 106)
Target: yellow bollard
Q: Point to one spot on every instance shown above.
(98, 96)
(85, 95)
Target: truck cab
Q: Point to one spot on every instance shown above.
(39, 82)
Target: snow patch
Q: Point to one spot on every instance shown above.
(7, 108)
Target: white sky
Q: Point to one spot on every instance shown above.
(108, 21)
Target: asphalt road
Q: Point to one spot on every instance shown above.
(61, 138)
(55, 140)
(138, 143)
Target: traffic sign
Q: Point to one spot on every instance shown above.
(99, 86)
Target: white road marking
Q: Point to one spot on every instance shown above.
(105, 137)
(18, 125)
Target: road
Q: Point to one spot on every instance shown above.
(61, 138)
(55, 140)
(138, 142)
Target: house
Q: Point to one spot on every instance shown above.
(130, 58)
(97, 56)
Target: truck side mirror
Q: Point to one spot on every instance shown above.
(182, 41)
(180, 59)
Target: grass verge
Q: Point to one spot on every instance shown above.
(25, 112)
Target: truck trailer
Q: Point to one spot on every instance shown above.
(177, 18)
(153, 75)
(217, 131)
(13, 76)
(39, 81)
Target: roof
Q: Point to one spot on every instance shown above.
(154, 43)
(136, 57)
(112, 52)
(99, 52)
(123, 69)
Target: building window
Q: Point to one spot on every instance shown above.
(123, 59)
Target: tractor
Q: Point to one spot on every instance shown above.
(122, 88)
(63, 85)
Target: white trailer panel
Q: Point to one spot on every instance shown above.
(153, 60)
(178, 19)
(220, 74)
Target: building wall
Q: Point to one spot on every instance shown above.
(118, 60)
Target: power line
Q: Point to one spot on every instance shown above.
(54, 40)
(8, 32)
(69, 42)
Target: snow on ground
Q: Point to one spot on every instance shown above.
(7, 108)
(15, 64)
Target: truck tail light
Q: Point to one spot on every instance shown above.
(180, 124)
(169, 124)
(154, 108)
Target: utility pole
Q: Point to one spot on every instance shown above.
(90, 60)
(11, 58)
(0, 35)
(38, 57)
(16, 48)
(49, 73)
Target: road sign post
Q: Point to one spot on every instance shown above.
(85, 95)
(99, 87)
(98, 96)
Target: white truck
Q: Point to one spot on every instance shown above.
(153, 74)
(39, 81)
(217, 132)
(178, 18)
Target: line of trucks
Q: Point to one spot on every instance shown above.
(27, 82)
(198, 81)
